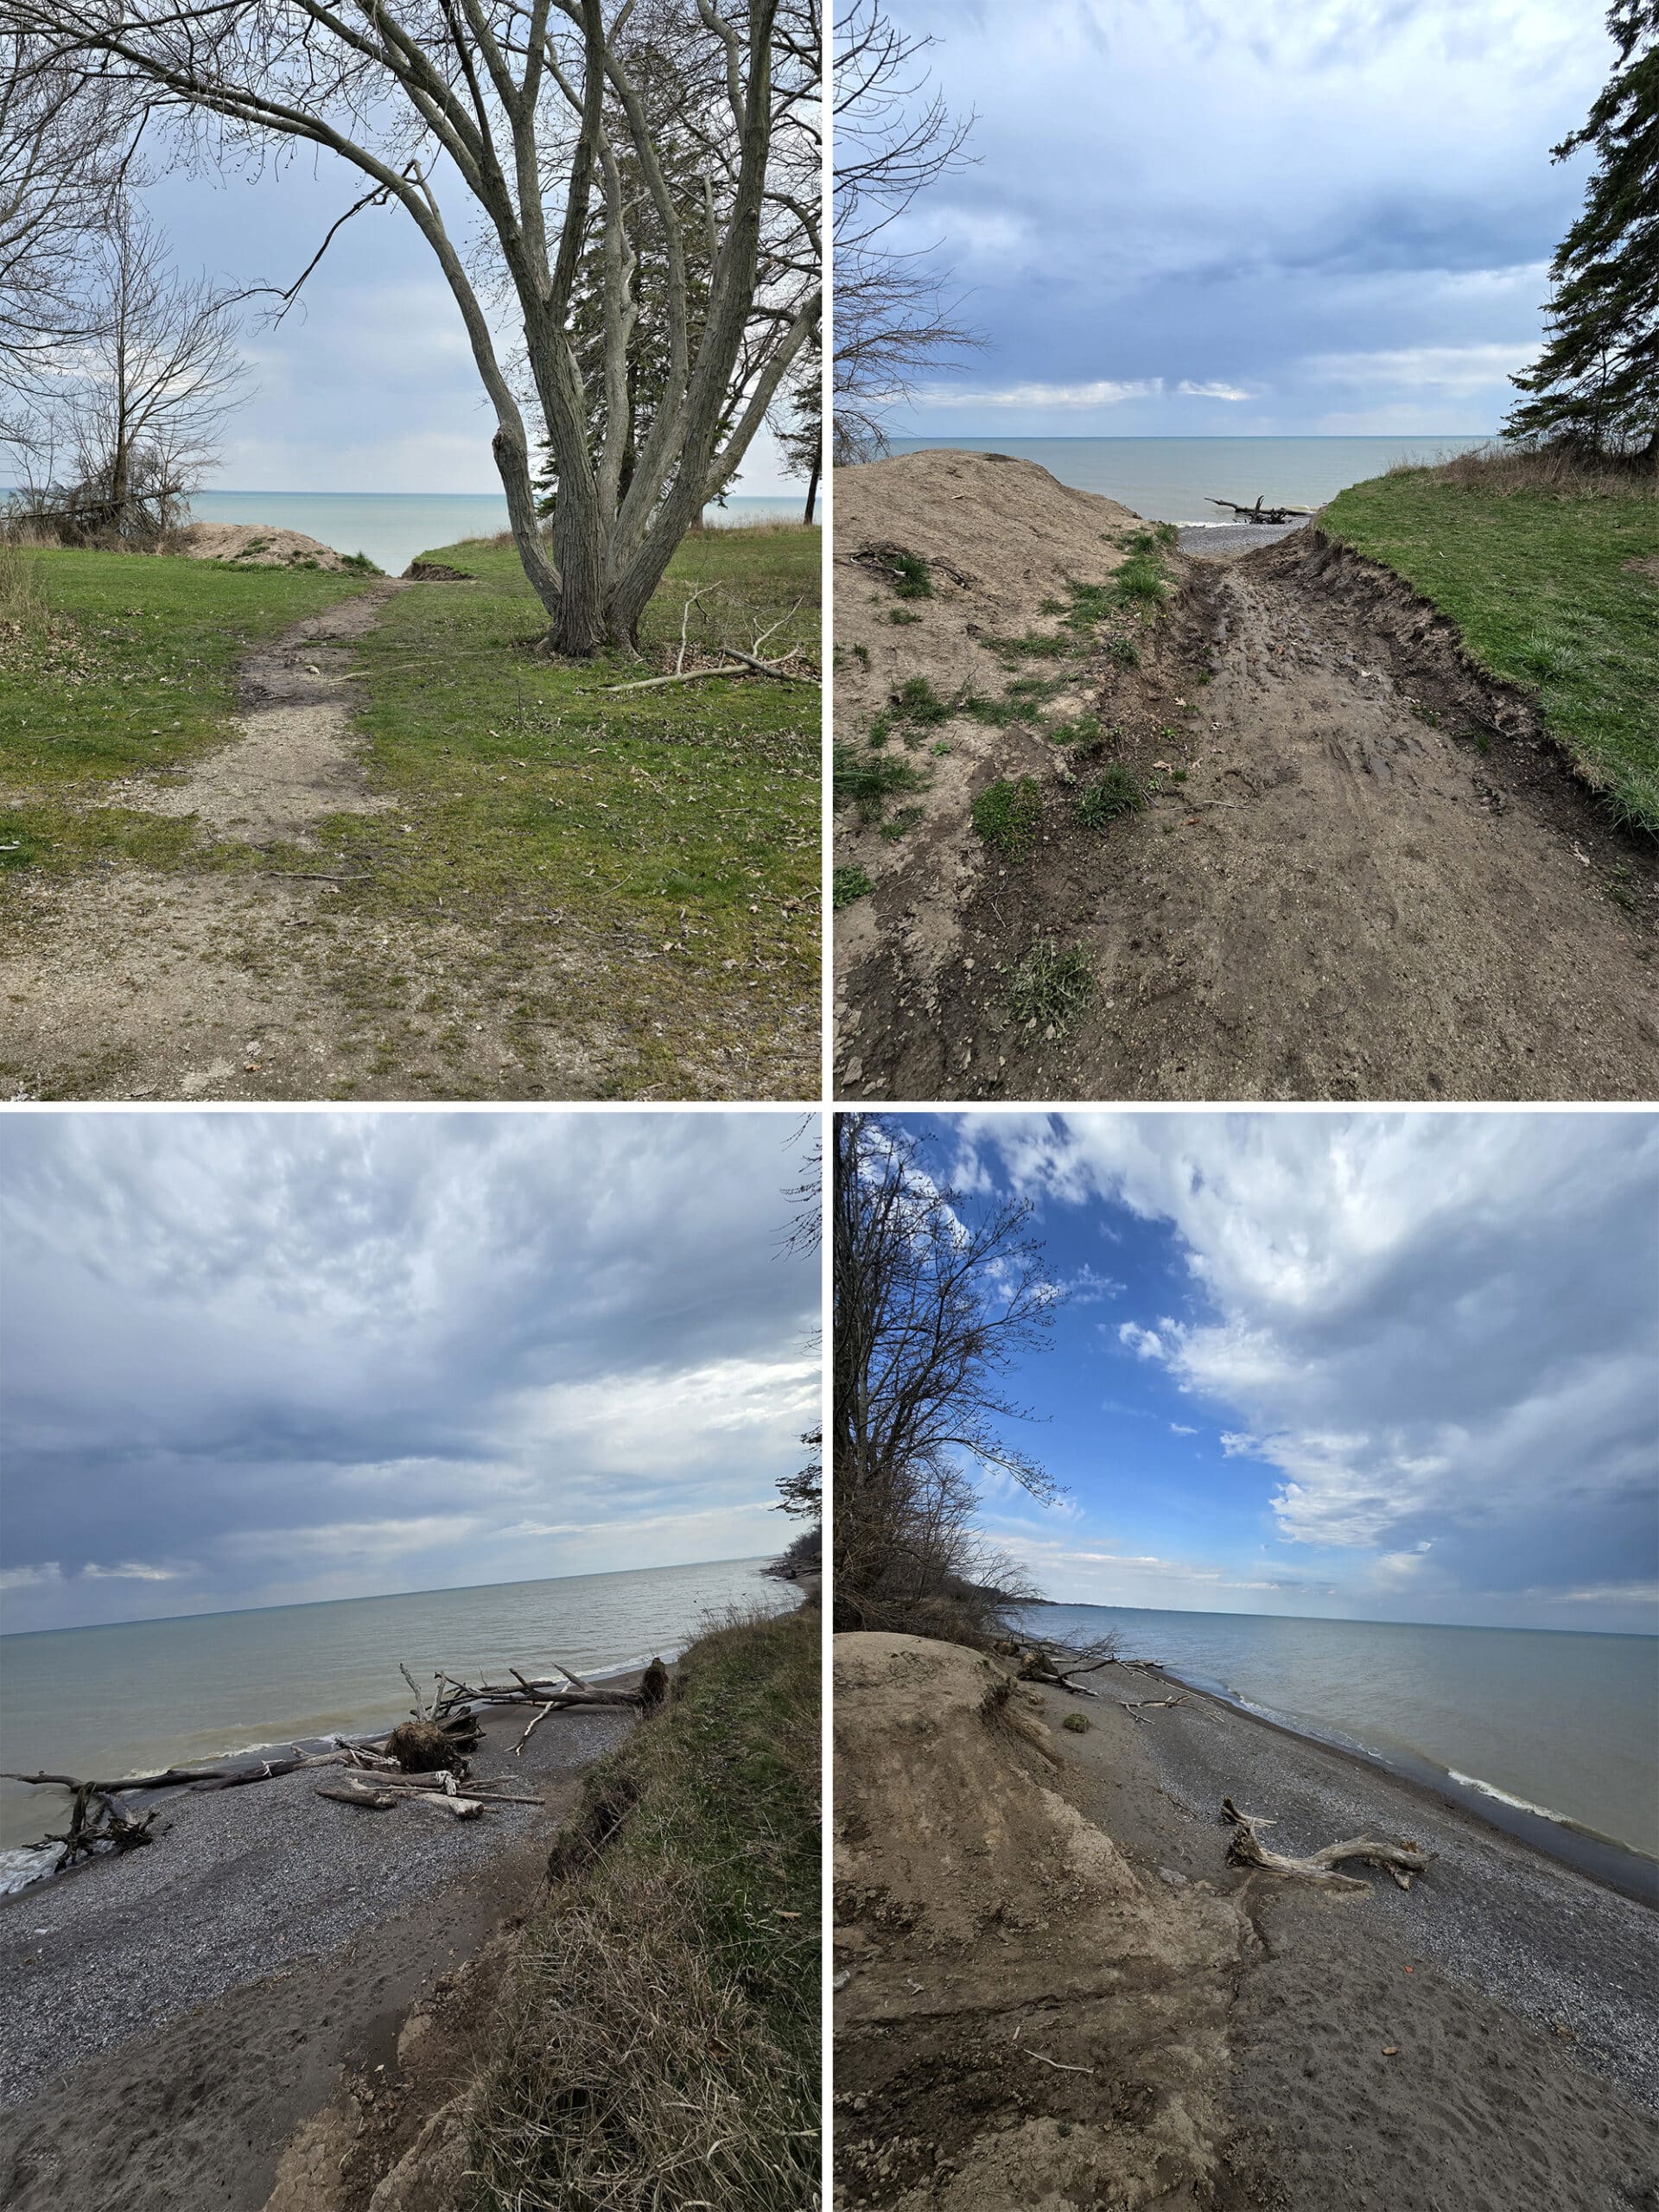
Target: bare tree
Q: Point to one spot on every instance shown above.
(66, 150)
(134, 422)
(532, 115)
(931, 1305)
(894, 138)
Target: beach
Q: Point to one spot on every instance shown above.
(169, 2017)
(1486, 2039)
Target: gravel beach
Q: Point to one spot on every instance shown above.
(1222, 541)
(1496, 2028)
(168, 2018)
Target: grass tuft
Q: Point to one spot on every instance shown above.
(1007, 815)
(1119, 791)
(869, 785)
(1050, 988)
(848, 884)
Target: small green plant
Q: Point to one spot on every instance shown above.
(941, 748)
(847, 884)
(1119, 791)
(1052, 606)
(913, 580)
(879, 731)
(1050, 988)
(898, 615)
(918, 702)
(1084, 730)
(900, 824)
(1006, 815)
(1036, 645)
(1141, 580)
(861, 654)
(869, 785)
(1078, 1723)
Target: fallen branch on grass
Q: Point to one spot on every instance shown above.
(1245, 1848)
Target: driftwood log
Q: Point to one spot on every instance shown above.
(442, 1728)
(1259, 512)
(1245, 1848)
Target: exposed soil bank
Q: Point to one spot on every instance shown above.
(1058, 1994)
(1364, 873)
(172, 2017)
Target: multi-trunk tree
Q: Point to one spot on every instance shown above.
(1596, 384)
(539, 124)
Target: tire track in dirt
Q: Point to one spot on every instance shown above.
(1377, 879)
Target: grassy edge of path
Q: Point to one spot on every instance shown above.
(1537, 568)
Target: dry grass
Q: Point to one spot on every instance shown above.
(1502, 470)
(22, 591)
(658, 2048)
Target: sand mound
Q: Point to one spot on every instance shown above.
(1024, 2020)
(1001, 538)
(255, 545)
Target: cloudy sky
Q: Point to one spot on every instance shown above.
(262, 1359)
(369, 384)
(1199, 218)
(1396, 1367)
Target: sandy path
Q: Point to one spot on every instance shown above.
(294, 758)
(1375, 881)
(170, 2019)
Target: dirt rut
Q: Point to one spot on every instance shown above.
(1366, 874)
(295, 757)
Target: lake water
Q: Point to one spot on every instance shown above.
(1538, 1720)
(103, 1702)
(392, 527)
(1170, 479)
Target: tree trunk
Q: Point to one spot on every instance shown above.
(811, 490)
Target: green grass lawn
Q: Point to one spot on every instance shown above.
(115, 664)
(666, 840)
(1538, 580)
(691, 812)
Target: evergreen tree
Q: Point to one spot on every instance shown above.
(1596, 384)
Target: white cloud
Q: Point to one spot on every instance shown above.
(1428, 1329)
(1180, 1428)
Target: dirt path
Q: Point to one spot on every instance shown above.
(214, 982)
(296, 756)
(1374, 879)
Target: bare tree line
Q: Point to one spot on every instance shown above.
(932, 1302)
(894, 140)
(116, 374)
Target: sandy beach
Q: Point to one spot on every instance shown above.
(1201, 2034)
(169, 2018)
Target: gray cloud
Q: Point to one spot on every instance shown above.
(1196, 197)
(248, 1354)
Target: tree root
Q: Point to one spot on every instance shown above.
(1245, 1848)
